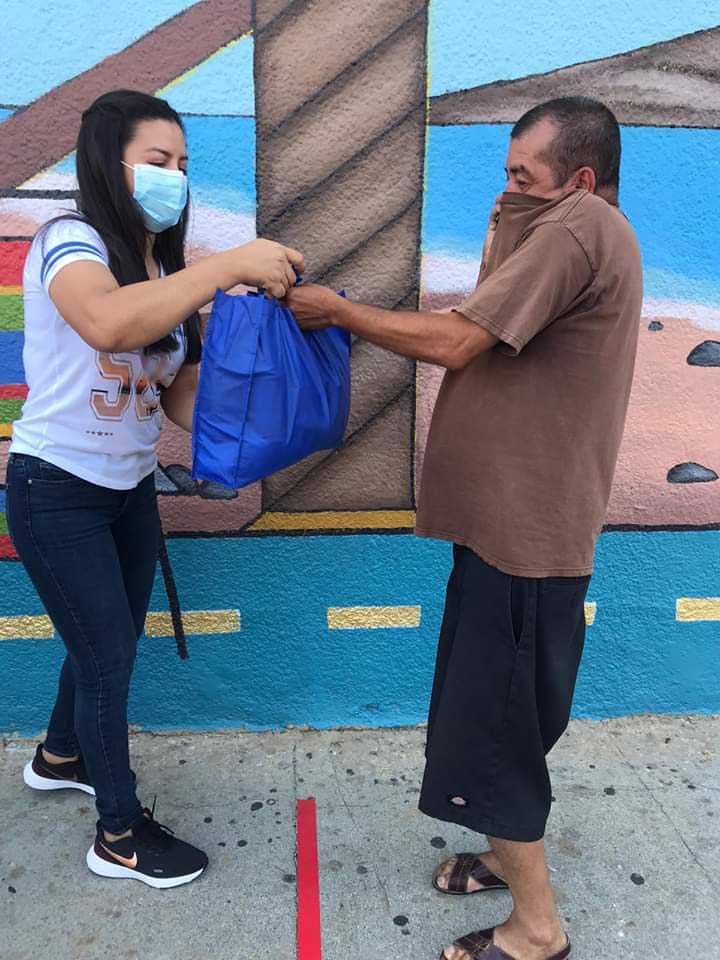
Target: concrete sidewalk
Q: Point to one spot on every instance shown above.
(634, 844)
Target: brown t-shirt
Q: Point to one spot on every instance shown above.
(524, 440)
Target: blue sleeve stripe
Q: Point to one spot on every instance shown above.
(65, 249)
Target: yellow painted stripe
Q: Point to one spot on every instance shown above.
(11, 291)
(206, 622)
(697, 609)
(41, 173)
(26, 627)
(196, 622)
(372, 618)
(337, 520)
(5, 431)
(364, 618)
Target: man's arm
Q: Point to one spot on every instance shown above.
(534, 286)
(446, 339)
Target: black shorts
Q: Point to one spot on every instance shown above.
(508, 657)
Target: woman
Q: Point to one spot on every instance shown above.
(111, 335)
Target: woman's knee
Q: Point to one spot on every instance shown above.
(108, 673)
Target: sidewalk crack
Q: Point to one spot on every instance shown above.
(708, 876)
(354, 822)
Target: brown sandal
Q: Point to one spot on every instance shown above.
(468, 866)
(480, 946)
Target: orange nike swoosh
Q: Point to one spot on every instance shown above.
(131, 863)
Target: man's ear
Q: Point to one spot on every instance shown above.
(584, 179)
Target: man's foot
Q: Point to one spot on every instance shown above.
(70, 775)
(441, 877)
(510, 942)
(151, 854)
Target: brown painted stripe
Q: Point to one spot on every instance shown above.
(51, 122)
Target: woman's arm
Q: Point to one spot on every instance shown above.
(115, 319)
(178, 401)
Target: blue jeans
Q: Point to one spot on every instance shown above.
(91, 554)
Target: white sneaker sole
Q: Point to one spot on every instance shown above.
(45, 783)
(117, 872)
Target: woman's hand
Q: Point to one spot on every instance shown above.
(314, 307)
(266, 264)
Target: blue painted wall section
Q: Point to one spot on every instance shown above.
(286, 667)
(657, 164)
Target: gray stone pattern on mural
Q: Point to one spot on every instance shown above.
(340, 103)
(671, 84)
(175, 480)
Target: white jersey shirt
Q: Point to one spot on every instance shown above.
(94, 414)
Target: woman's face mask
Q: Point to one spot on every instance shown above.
(161, 195)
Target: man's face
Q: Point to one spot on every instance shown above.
(526, 170)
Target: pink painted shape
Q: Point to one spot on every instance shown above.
(672, 419)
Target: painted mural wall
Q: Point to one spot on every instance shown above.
(372, 136)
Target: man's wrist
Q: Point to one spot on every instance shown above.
(341, 313)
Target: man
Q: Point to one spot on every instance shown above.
(517, 475)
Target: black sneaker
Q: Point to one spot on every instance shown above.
(152, 854)
(41, 775)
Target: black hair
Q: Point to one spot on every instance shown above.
(588, 135)
(104, 201)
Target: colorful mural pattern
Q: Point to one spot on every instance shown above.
(355, 132)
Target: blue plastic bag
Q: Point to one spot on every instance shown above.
(269, 395)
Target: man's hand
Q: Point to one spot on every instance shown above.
(492, 227)
(315, 307)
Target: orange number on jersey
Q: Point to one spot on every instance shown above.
(112, 404)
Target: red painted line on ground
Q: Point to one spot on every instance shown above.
(309, 936)
(13, 391)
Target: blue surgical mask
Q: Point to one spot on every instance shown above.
(161, 195)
